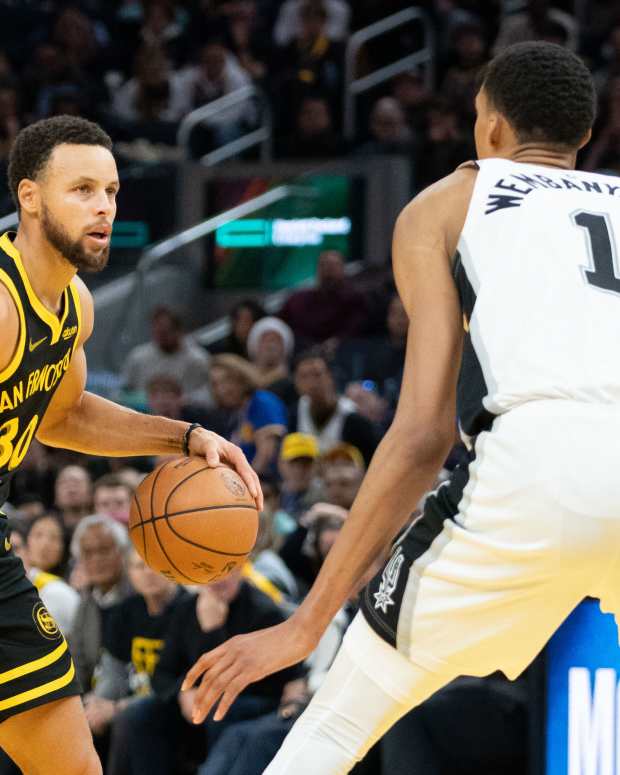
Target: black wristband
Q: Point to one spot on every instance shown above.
(190, 429)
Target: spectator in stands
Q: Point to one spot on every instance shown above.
(163, 28)
(444, 145)
(275, 524)
(313, 136)
(219, 611)
(298, 468)
(333, 309)
(289, 21)
(305, 549)
(29, 505)
(604, 152)
(216, 74)
(164, 395)
(322, 413)
(149, 104)
(99, 546)
(134, 637)
(533, 24)
(373, 368)
(168, 352)
(10, 123)
(112, 497)
(247, 747)
(342, 482)
(73, 494)
(246, 38)
(259, 418)
(611, 51)
(311, 61)
(388, 130)
(45, 556)
(242, 317)
(460, 84)
(414, 96)
(270, 347)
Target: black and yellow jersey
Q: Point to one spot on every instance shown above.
(45, 345)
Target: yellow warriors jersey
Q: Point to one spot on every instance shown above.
(45, 346)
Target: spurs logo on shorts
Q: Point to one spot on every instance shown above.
(45, 622)
(389, 581)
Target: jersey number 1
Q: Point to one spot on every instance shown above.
(602, 251)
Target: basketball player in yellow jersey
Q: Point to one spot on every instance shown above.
(64, 181)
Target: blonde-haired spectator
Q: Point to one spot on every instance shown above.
(259, 418)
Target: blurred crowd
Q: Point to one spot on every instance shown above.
(307, 392)
(139, 66)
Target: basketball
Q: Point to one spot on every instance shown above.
(192, 523)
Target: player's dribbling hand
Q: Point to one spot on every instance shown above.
(216, 450)
(229, 668)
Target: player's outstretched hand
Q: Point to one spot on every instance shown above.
(216, 450)
(229, 668)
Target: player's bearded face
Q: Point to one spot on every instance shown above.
(74, 251)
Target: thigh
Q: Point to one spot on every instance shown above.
(50, 739)
(480, 581)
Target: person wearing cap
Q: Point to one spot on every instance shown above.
(270, 346)
(298, 468)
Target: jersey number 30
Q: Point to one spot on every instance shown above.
(602, 251)
(12, 452)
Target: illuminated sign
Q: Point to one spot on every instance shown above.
(280, 232)
(583, 695)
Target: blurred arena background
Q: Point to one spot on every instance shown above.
(265, 148)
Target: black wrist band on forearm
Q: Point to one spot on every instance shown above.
(190, 429)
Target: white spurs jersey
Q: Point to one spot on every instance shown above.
(539, 280)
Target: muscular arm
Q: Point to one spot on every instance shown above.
(84, 422)
(405, 463)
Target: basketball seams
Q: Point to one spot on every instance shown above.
(178, 484)
(180, 572)
(201, 546)
(141, 524)
(156, 532)
(170, 535)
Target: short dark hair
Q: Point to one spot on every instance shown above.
(112, 480)
(545, 92)
(313, 353)
(34, 145)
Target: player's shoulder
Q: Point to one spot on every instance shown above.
(445, 199)
(440, 209)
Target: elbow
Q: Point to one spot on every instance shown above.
(425, 446)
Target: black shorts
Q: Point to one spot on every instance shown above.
(35, 663)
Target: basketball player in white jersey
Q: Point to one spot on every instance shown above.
(509, 272)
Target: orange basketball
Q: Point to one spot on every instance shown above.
(193, 523)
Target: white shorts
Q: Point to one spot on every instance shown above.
(509, 546)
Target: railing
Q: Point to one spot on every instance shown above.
(133, 288)
(260, 136)
(356, 86)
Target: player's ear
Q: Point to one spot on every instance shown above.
(28, 195)
(495, 129)
(585, 139)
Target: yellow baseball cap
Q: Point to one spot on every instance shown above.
(299, 445)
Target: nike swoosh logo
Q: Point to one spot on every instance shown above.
(7, 545)
(33, 345)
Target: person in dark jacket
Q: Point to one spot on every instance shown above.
(217, 612)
